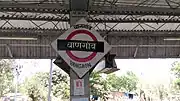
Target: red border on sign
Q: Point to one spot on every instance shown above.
(72, 56)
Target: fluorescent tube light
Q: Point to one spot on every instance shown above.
(171, 39)
(17, 38)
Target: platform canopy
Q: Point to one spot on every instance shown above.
(134, 28)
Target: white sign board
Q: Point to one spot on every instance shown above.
(80, 99)
(79, 87)
(81, 47)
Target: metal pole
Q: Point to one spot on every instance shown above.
(50, 80)
(15, 97)
(18, 67)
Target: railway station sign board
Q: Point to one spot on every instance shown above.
(81, 47)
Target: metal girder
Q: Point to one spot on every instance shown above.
(133, 10)
(33, 17)
(25, 20)
(145, 47)
(91, 20)
(123, 47)
(62, 22)
(34, 32)
(108, 17)
(92, 10)
(38, 8)
(132, 20)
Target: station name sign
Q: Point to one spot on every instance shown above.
(81, 47)
(77, 45)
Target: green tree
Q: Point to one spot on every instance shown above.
(40, 81)
(127, 82)
(6, 77)
(131, 81)
(113, 80)
(60, 85)
(176, 71)
(33, 87)
(99, 86)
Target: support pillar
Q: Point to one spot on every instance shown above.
(78, 10)
(74, 17)
(86, 89)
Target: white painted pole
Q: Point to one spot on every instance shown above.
(15, 97)
(17, 81)
(50, 80)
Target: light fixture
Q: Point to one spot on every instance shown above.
(18, 38)
(109, 70)
(171, 39)
(108, 65)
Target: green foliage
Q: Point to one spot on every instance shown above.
(176, 71)
(99, 86)
(177, 83)
(6, 76)
(115, 82)
(127, 82)
(60, 85)
(34, 89)
(40, 81)
(131, 81)
(61, 89)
